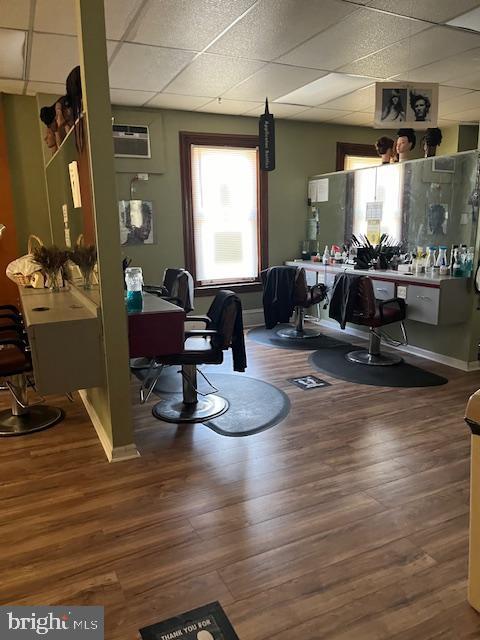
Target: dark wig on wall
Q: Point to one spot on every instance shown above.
(433, 137)
(73, 87)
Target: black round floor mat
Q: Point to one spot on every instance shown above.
(269, 338)
(254, 405)
(333, 362)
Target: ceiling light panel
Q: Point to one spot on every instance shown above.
(211, 75)
(469, 20)
(15, 14)
(53, 57)
(272, 28)
(126, 98)
(426, 47)
(431, 10)
(327, 88)
(359, 100)
(360, 34)
(172, 101)
(145, 68)
(185, 24)
(229, 107)
(12, 46)
(272, 81)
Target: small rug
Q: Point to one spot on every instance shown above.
(254, 405)
(333, 362)
(269, 338)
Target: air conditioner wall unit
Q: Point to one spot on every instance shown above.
(131, 141)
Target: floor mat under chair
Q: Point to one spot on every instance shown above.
(254, 405)
(333, 362)
(269, 338)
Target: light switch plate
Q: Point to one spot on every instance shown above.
(402, 292)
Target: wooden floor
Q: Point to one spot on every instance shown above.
(346, 521)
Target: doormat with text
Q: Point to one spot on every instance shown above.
(205, 623)
(309, 382)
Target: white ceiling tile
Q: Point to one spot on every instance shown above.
(431, 10)
(211, 75)
(130, 98)
(359, 100)
(118, 16)
(469, 20)
(447, 93)
(356, 118)
(273, 28)
(230, 107)
(272, 81)
(15, 14)
(186, 25)
(470, 115)
(12, 46)
(53, 57)
(469, 81)
(327, 88)
(358, 35)
(55, 16)
(461, 103)
(318, 114)
(445, 69)
(428, 46)
(277, 109)
(172, 101)
(11, 86)
(55, 88)
(146, 68)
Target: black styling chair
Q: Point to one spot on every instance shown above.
(16, 372)
(285, 289)
(362, 308)
(223, 330)
(177, 288)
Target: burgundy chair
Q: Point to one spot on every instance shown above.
(375, 314)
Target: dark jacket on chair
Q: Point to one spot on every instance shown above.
(217, 309)
(343, 297)
(278, 295)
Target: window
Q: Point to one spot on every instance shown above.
(355, 156)
(224, 210)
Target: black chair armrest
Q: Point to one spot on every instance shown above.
(203, 333)
(10, 307)
(400, 302)
(15, 343)
(205, 319)
(11, 316)
(156, 289)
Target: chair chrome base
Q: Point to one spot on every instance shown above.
(175, 410)
(292, 333)
(143, 363)
(37, 418)
(376, 360)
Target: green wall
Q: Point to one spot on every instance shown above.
(27, 168)
(302, 149)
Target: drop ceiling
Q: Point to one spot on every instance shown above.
(315, 60)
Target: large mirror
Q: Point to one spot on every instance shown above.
(418, 203)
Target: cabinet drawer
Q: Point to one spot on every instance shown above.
(423, 304)
(383, 290)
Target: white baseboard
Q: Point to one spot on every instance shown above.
(114, 454)
(464, 365)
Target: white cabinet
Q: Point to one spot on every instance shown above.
(423, 304)
(383, 290)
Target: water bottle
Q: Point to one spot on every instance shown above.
(457, 269)
(134, 282)
(430, 262)
(441, 263)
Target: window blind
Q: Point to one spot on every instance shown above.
(224, 197)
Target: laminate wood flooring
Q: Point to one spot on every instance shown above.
(347, 521)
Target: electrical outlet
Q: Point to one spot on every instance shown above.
(142, 176)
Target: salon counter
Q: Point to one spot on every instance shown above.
(64, 332)
(434, 300)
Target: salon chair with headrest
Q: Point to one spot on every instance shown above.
(16, 370)
(353, 300)
(223, 330)
(177, 287)
(285, 289)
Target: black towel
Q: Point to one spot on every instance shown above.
(343, 297)
(216, 314)
(278, 295)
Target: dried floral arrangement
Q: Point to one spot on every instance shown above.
(84, 256)
(53, 262)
